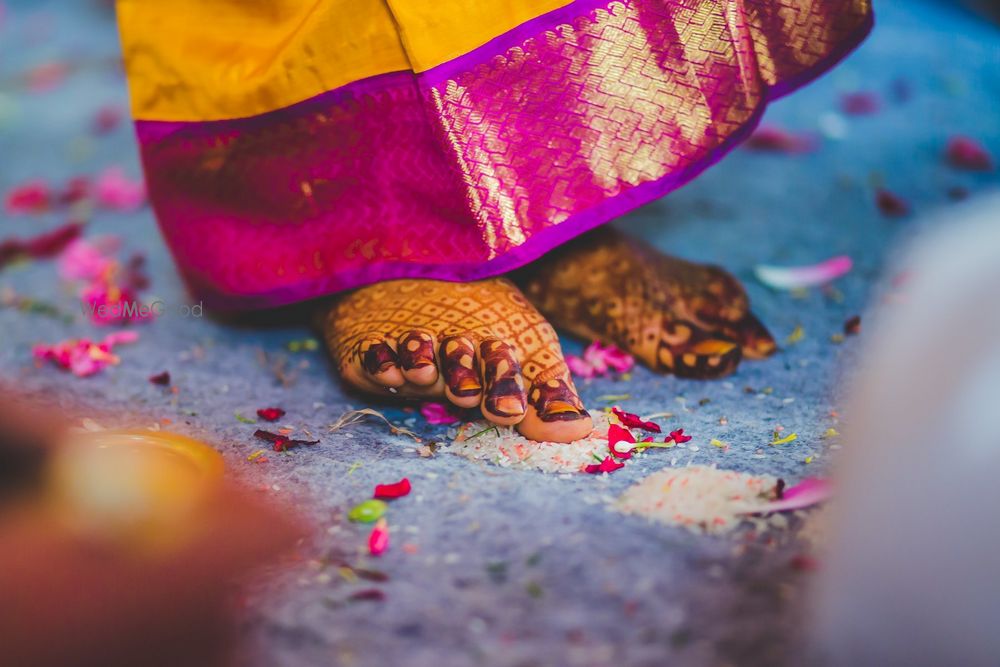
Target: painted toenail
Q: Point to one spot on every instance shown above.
(416, 352)
(457, 367)
(713, 347)
(506, 406)
(379, 358)
(556, 401)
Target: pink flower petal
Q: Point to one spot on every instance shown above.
(787, 278)
(378, 540)
(860, 104)
(438, 413)
(87, 260)
(115, 191)
(579, 367)
(776, 140)
(805, 494)
(83, 357)
(967, 153)
(617, 359)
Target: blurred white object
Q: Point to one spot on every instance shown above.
(912, 576)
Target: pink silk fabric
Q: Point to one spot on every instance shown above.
(488, 161)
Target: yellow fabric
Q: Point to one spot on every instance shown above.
(436, 31)
(198, 60)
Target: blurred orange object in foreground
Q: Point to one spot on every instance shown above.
(128, 553)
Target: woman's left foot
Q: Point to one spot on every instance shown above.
(675, 316)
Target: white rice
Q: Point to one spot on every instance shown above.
(505, 447)
(700, 498)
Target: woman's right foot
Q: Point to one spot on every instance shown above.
(675, 316)
(473, 344)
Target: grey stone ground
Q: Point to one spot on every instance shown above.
(519, 568)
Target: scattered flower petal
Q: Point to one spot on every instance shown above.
(397, 490)
(679, 437)
(852, 327)
(860, 104)
(969, 154)
(31, 197)
(617, 434)
(281, 443)
(633, 421)
(42, 246)
(598, 359)
(77, 190)
(438, 413)
(787, 278)
(84, 357)
(805, 494)
(87, 260)
(368, 594)
(161, 379)
(378, 541)
(891, 204)
(115, 191)
(270, 414)
(777, 140)
(607, 465)
(791, 437)
(579, 368)
(798, 333)
(107, 119)
(368, 511)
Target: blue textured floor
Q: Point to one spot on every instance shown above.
(517, 568)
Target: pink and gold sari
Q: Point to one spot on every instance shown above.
(296, 148)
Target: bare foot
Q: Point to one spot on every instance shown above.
(677, 317)
(477, 343)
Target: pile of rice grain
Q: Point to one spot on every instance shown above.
(700, 498)
(505, 447)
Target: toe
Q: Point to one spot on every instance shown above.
(504, 400)
(462, 385)
(380, 361)
(555, 413)
(691, 352)
(756, 341)
(416, 358)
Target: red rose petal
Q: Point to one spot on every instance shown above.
(38, 247)
(162, 379)
(679, 437)
(32, 197)
(271, 414)
(607, 465)
(389, 491)
(281, 443)
(632, 421)
(618, 434)
(891, 204)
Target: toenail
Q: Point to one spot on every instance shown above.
(416, 353)
(556, 401)
(379, 358)
(457, 367)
